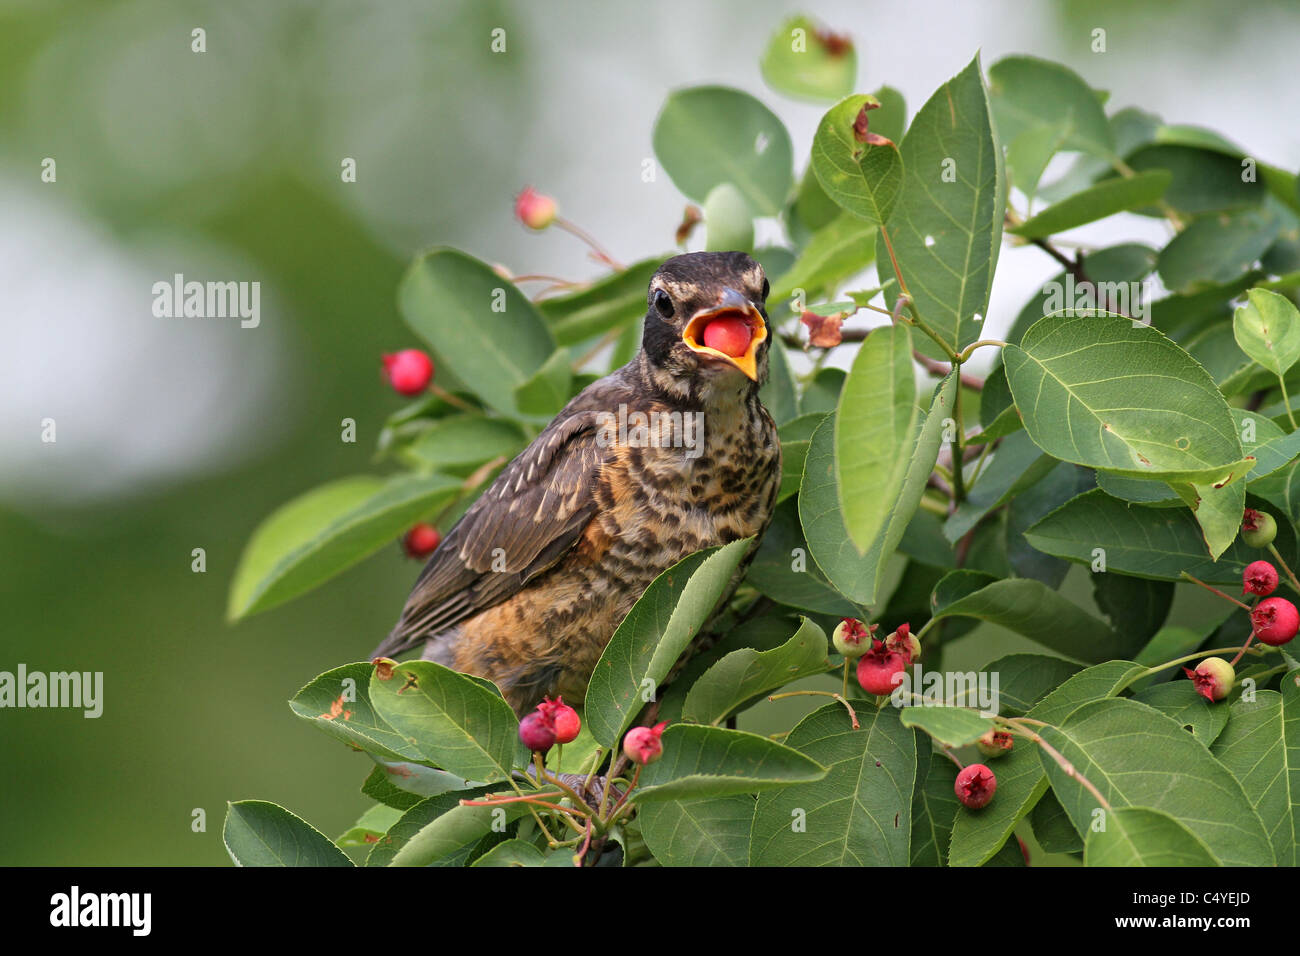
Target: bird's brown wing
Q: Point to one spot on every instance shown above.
(523, 524)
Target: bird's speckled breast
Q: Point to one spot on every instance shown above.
(658, 503)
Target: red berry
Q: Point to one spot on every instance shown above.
(1260, 578)
(533, 209)
(642, 744)
(537, 732)
(851, 638)
(995, 743)
(565, 719)
(730, 336)
(975, 786)
(1258, 529)
(879, 668)
(421, 541)
(409, 371)
(1213, 678)
(1275, 620)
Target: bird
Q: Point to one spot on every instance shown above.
(670, 454)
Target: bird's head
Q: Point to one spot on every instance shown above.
(706, 321)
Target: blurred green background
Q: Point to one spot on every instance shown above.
(175, 434)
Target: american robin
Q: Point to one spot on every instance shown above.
(672, 453)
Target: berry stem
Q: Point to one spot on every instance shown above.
(1242, 653)
(601, 255)
(1286, 568)
(1068, 768)
(845, 690)
(1286, 402)
(1156, 669)
(853, 714)
(1214, 590)
(450, 398)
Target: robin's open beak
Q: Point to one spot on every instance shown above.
(732, 305)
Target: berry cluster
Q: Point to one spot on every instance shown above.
(880, 663)
(553, 722)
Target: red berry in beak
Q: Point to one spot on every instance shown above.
(409, 371)
(565, 719)
(975, 786)
(421, 541)
(642, 744)
(728, 335)
(879, 669)
(1275, 620)
(537, 732)
(1213, 678)
(1260, 578)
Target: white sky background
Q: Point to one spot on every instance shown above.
(155, 404)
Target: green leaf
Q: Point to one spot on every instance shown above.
(1140, 836)
(728, 221)
(799, 63)
(1267, 328)
(403, 783)
(823, 392)
(934, 805)
(258, 833)
(1216, 249)
(606, 304)
(1052, 827)
(1025, 679)
(951, 726)
(1030, 152)
(795, 438)
(654, 634)
(1104, 392)
(371, 825)
(547, 391)
(316, 535)
(1179, 701)
(837, 251)
(859, 814)
(863, 179)
(1218, 512)
(450, 828)
(1016, 465)
(452, 720)
(1137, 757)
(948, 221)
(977, 836)
(707, 135)
(1261, 748)
(781, 568)
(1137, 606)
(857, 576)
(712, 832)
(1028, 92)
(708, 762)
(1203, 180)
(1104, 199)
(476, 323)
(747, 673)
(1158, 543)
(1041, 614)
(338, 702)
(461, 442)
(511, 853)
(778, 393)
(874, 428)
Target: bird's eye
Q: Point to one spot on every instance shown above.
(767, 287)
(663, 304)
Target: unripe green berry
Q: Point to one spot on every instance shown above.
(1258, 529)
